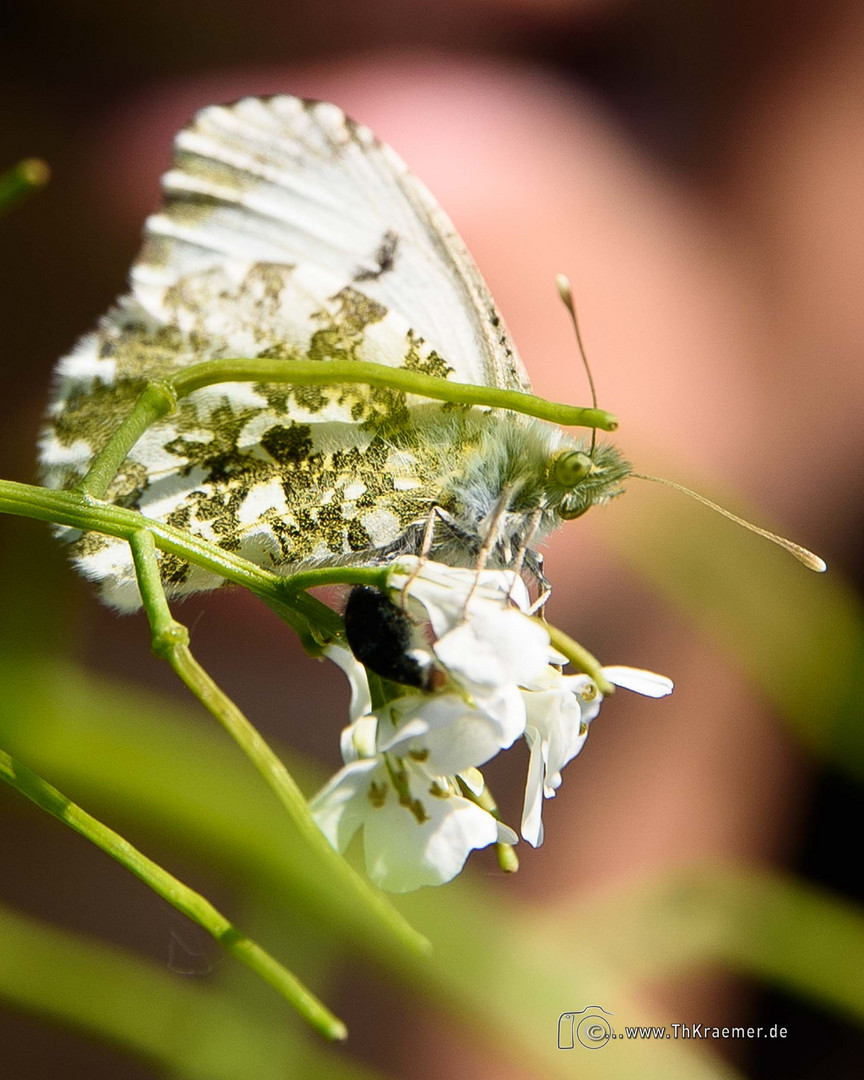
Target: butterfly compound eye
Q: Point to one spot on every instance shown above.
(571, 468)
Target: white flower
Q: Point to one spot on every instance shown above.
(485, 644)
(411, 765)
(445, 591)
(559, 710)
(358, 739)
(420, 834)
(400, 785)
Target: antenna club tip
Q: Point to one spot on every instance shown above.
(562, 284)
(805, 557)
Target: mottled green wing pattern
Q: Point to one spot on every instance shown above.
(287, 231)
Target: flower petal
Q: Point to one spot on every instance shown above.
(492, 648)
(450, 735)
(444, 591)
(341, 806)
(403, 853)
(505, 834)
(473, 779)
(359, 740)
(361, 699)
(532, 807)
(561, 716)
(639, 680)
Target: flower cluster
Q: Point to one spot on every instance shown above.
(411, 779)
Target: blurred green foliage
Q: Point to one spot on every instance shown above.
(798, 636)
(162, 774)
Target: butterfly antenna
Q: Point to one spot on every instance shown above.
(562, 284)
(801, 553)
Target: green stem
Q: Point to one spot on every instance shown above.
(373, 576)
(508, 860)
(186, 900)
(170, 641)
(334, 372)
(285, 595)
(578, 656)
(20, 181)
(304, 613)
(158, 399)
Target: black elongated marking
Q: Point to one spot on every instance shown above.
(385, 257)
(381, 637)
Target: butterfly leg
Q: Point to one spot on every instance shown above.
(540, 603)
(490, 539)
(524, 546)
(524, 556)
(435, 514)
(533, 562)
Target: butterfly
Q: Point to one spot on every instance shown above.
(289, 231)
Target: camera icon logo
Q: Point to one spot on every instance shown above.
(589, 1027)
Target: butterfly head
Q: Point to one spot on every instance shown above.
(581, 478)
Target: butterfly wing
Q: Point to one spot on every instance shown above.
(283, 180)
(286, 230)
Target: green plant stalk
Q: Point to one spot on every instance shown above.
(285, 595)
(373, 576)
(160, 398)
(170, 642)
(157, 399)
(72, 980)
(333, 372)
(314, 621)
(508, 860)
(301, 611)
(578, 656)
(186, 900)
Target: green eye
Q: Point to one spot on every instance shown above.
(571, 468)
